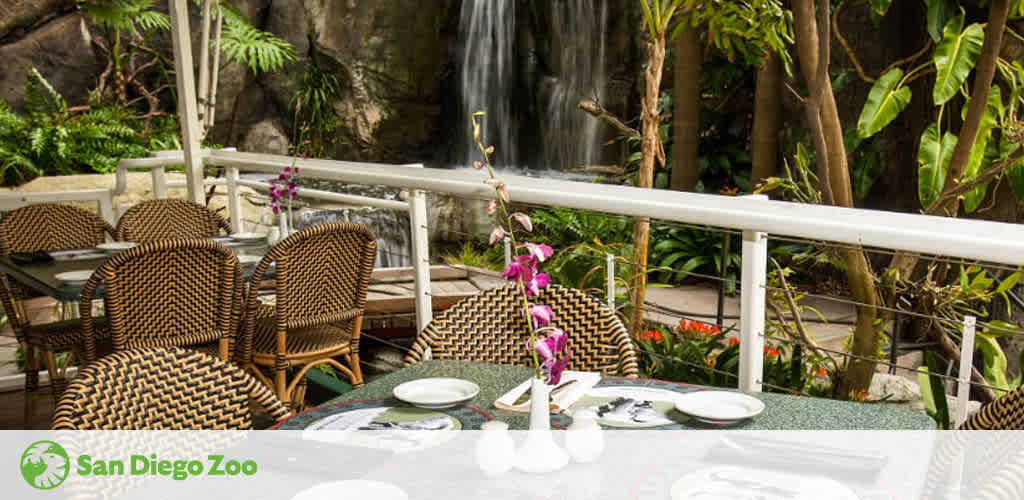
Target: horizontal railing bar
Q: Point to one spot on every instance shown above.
(971, 239)
(12, 200)
(351, 199)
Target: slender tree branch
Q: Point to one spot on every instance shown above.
(598, 111)
(993, 172)
(846, 45)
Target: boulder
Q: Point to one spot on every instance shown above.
(20, 16)
(893, 388)
(390, 58)
(266, 136)
(62, 51)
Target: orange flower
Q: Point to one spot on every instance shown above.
(861, 395)
(697, 329)
(733, 341)
(652, 335)
(711, 361)
(819, 372)
(770, 351)
(729, 191)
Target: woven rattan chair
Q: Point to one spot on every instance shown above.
(156, 388)
(489, 327)
(1004, 414)
(322, 276)
(46, 227)
(169, 219)
(168, 293)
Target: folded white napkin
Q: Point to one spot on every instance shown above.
(563, 399)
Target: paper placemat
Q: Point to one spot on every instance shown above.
(623, 403)
(575, 384)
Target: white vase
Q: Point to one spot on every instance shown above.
(495, 450)
(583, 438)
(539, 453)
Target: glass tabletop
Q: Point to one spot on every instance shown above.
(43, 277)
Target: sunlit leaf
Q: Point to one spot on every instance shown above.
(955, 57)
(884, 103)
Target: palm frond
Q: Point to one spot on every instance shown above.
(259, 50)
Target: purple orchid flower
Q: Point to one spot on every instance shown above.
(541, 252)
(553, 351)
(523, 268)
(542, 315)
(540, 280)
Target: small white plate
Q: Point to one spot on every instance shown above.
(245, 260)
(115, 246)
(719, 406)
(352, 489)
(74, 276)
(436, 393)
(249, 236)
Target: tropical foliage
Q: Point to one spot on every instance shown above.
(49, 140)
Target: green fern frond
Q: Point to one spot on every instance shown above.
(123, 14)
(41, 98)
(260, 51)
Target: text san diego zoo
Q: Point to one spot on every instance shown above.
(179, 470)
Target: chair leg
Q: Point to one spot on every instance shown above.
(299, 396)
(31, 382)
(57, 380)
(357, 371)
(281, 385)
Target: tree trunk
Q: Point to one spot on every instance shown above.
(764, 143)
(835, 176)
(983, 75)
(650, 149)
(686, 109)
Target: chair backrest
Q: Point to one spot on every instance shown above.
(48, 227)
(162, 389)
(1005, 413)
(169, 219)
(164, 293)
(490, 327)
(322, 276)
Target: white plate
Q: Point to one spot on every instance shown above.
(749, 483)
(356, 489)
(249, 236)
(248, 259)
(115, 246)
(720, 406)
(74, 276)
(436, 393)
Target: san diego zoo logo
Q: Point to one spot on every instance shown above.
(44, 465)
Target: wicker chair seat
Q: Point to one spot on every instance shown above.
(64, 334)
(162, 389)
(1005, 414)
(301, 342)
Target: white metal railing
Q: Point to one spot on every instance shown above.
(756, 217)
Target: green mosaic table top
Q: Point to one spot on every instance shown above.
(782, 412)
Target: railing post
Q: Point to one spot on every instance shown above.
(107, 208)
(752, 309)
(610, 278)
(507, 242)
(159, 183)
(181, 38)
(963, 382)
(234, 204)
(420, 257)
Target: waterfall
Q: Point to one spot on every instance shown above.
(569, 136)
(528, 73)
(488, 31)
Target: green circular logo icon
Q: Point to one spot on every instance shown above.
(44, 465)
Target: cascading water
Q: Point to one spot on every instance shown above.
(577, 55)
(488, 30)
(529, 83)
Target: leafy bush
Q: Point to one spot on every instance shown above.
(703, 356)
(49, 140)
(678, 251)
